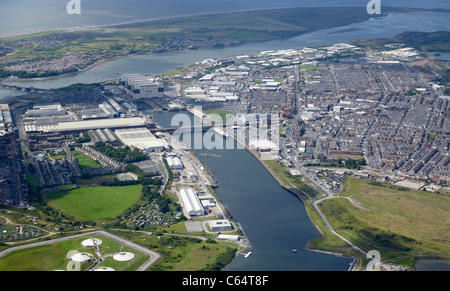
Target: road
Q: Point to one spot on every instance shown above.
(330, 195)
(178, 148)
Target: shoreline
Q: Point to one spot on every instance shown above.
(101, 62)
(112, 25)
(292, 191)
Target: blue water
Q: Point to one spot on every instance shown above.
(26, 16)
(274, 220)
(388, 26)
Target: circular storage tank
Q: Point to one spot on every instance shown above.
(82, 257)
(91, 242)
(123, 256)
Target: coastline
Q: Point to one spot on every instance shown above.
(103, 61)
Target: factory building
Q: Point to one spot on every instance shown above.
(129, 108)
(45, 110)
(102, 135)
(5, 118)
(116, 106)
(174, 163)
(140, 138)
(195, 93)
(94, 113)
(74, 126)
(228, 237)
(191, 202)
(109, 110)
(139, 87)
(263, 145)
(219, 225)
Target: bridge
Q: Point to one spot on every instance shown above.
(182, 128)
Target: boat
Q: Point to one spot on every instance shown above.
(247, 254)
(294, 250)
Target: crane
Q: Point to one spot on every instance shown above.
(206, 154)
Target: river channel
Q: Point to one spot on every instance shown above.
(274, 220)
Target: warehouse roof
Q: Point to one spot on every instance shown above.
(89, 124)
(191, 202)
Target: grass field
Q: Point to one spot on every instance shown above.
(308, 68)
(54, 256)
(94, 203)
(182, 253)
(222, 113)
(85, 161)
(400, 223)
(288, 179)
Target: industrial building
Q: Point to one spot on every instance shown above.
(45, 110)
(218, 225)
(191, 202)
(228, 237)
(116, 106)
(74, 126)
(174, 163)
(139, 87)
(263, 145)
(102, 135)
(94, 113)
(109, 110)
(140, 138)
(5, 118)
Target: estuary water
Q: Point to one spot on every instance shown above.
(28, 16)
(151, 64)
(274, 220)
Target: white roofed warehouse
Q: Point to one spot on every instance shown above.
(74, 126)
(191, 202)
(139, 86)
(175, 163)
(140, 138)
(218, 225)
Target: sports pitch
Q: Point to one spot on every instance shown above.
(94, 203)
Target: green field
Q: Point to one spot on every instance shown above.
(180, 252)
(288, 179)
(308, 68)
(94, 203)
(222, 113)
(54, 256)
(400, 223)
(85, 161)
(422, 41)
